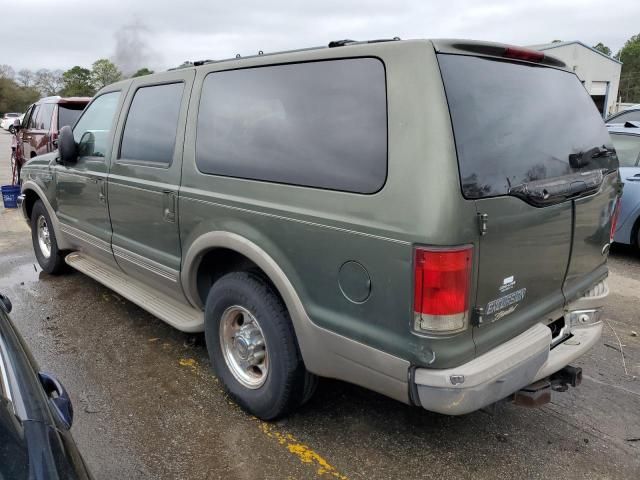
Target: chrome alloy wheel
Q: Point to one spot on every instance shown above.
(244, 347)
(44, 238)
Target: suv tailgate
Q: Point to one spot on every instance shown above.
(536, 158)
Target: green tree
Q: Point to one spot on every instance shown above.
(77, 82)
(142, 72)
(601, 47)
(14, 98)
(629, 55)
(104, 72)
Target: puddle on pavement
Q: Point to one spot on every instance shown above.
(25, 273)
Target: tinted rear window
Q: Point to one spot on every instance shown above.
(68, 115)
(515, 123)
(319, 124)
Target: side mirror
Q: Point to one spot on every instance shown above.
(67, 146)
(16, 124)
(58, 397)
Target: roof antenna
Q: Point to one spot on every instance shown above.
(260, 52)
(237, 55)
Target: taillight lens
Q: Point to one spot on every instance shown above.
(442, 279)
(614, 220)
(523, 54)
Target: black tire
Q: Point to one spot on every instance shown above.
(54, 263)
(287, 384)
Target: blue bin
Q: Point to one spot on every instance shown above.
(10, 195)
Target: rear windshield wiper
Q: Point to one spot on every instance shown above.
(582, 159)
(558, 189)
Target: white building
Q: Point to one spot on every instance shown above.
(599, 73)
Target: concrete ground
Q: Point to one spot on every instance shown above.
(147, 406)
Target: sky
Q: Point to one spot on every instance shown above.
(160, 34)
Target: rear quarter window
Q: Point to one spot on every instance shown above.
(318, 124)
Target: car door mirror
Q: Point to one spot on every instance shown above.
(58, 397)
(87, 145)
(17, 125)
(67, 146)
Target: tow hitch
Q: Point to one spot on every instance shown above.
(539, 393)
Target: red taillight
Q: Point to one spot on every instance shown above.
(614, 220)
(523, 54)
(442, 279)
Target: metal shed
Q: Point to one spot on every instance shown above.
(599, 73)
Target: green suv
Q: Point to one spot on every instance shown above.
(427, 219)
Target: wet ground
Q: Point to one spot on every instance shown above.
(147, 405)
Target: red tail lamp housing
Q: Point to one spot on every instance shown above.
(519, 53)
(442, 282)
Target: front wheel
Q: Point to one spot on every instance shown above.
(45, 246)
(253, 348)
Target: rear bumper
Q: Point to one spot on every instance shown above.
(507, 368)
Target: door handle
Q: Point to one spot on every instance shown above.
(169, 206)
(635, 178)
(101, 193)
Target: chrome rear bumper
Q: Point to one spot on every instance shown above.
(521, 361)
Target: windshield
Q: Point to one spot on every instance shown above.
(68, 114)
(516, 123)
(627, 148)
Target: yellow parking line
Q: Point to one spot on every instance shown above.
(303, 452)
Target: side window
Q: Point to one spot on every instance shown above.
(27, 117)
(44, 116)
(317, 124)
(633, 116)
(627, 149)
(33, 118)
(94, 127)
(151, 125)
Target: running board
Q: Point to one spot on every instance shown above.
(176, 314)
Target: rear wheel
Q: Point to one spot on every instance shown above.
(45, 246)
(253, 348)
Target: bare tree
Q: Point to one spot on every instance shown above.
(48, 82)
(7, 72)
(25, 77)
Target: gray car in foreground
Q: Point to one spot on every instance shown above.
(385, 213)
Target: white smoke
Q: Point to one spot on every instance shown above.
(133, 49)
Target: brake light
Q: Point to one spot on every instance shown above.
(442, 279)
(614, 220)
(523, 54)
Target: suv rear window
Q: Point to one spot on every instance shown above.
(317, 124)
(515, 123)
(68, 114)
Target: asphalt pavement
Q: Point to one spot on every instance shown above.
(147, 405)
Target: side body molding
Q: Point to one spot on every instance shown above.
(325, 353)
(63, 243)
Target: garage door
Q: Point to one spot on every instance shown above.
(598, 88)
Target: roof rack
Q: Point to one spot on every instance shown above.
(346, 41)
(332, 44)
